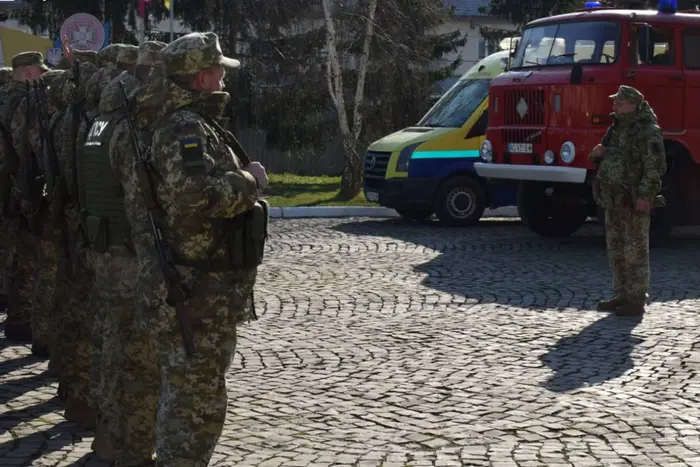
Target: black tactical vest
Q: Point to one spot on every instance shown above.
(103, 213)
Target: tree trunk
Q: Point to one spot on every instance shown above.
(351, 181)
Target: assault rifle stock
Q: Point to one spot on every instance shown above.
(177, 291)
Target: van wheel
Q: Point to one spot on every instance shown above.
(460, 202)
(415, 214)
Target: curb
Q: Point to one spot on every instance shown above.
(365, 211)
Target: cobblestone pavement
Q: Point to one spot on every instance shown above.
(383, 343)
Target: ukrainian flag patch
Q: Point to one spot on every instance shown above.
(192, 151)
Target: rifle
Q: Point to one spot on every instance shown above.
(178, 293)
(55, 183)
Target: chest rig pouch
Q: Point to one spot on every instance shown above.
(245, 235)
(103, 215)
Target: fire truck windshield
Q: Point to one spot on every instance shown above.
(566, 43)
(457, 105)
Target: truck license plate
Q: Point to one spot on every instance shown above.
(372, 196)
(520, 148)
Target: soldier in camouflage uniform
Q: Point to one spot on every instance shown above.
(75, 277)
(202, 186)
(67, 93)
(5, 78)
(19, 240)
(130, 381)
(628, 183)
(26, 134)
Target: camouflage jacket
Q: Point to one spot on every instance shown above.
(199, 180)
(634, 160)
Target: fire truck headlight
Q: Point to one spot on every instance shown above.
(568, 152)
(486, 151)
(549, 156)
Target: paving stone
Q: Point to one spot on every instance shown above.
(386, 343)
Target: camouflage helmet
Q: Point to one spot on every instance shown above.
(29, 59)
(629, 94)
(5, 75)
(52, 76)
(194, 52)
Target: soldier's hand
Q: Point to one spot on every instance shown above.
(597, 153)
(258, 171)
(643, 206)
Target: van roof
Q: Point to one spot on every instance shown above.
(612, 14)
(488, 67)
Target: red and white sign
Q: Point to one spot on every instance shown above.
(84, 32)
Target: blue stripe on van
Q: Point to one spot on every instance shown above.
(452, 154)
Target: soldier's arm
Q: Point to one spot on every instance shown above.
(17, 122)
(189, 177)
(653, 164)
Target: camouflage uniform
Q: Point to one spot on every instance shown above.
(22, 261)
(630, 169)
(5, 77)
(111, 60)
(130, 380)
(74, 309)
(27, 137)
(201, 187)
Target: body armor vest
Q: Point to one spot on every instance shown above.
(103, 213)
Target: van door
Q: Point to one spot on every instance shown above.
(654, 69)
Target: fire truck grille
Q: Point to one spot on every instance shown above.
(524, 107)
(521, 135)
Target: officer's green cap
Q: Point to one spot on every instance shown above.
(194, 52)
(29, 59)
(628, 93)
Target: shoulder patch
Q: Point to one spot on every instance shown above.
(192, 150)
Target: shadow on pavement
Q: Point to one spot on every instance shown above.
(10, 390)
(501, 261)
(13, 364)
(12, 418)
(37, 444)
(600, 352)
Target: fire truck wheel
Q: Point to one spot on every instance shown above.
(415, 214)
(552, 209)
(460, 202)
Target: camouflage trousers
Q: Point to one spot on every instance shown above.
(21, 265)
(75, 316)
(129, 382)
(627, 237)
(48, 256)
(193, 388)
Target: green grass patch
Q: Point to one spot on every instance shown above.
(288, 190)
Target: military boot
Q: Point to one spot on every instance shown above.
(80, 413)
(613, 304)
(631, 308)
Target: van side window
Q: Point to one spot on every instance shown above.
(479, 128)
(691, 48)
(654, 49)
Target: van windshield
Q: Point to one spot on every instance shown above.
(457, 105)
(566, 43)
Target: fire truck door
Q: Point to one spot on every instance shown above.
(654, 69)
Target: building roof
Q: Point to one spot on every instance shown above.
(467, 7)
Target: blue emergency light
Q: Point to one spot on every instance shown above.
(592, 5)
(667, 6)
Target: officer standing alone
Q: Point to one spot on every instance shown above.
(628, 182)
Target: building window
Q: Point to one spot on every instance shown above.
(483, 48)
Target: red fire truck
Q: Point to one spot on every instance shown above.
(551, 108)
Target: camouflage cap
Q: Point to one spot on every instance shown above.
(5, 75)
(628, 93)
(128, 54)
(108, 55)
(150, 54)
(195, 52)
(29, 59)
(85, 56)
(51, 76)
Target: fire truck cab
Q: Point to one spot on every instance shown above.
(551, 108)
